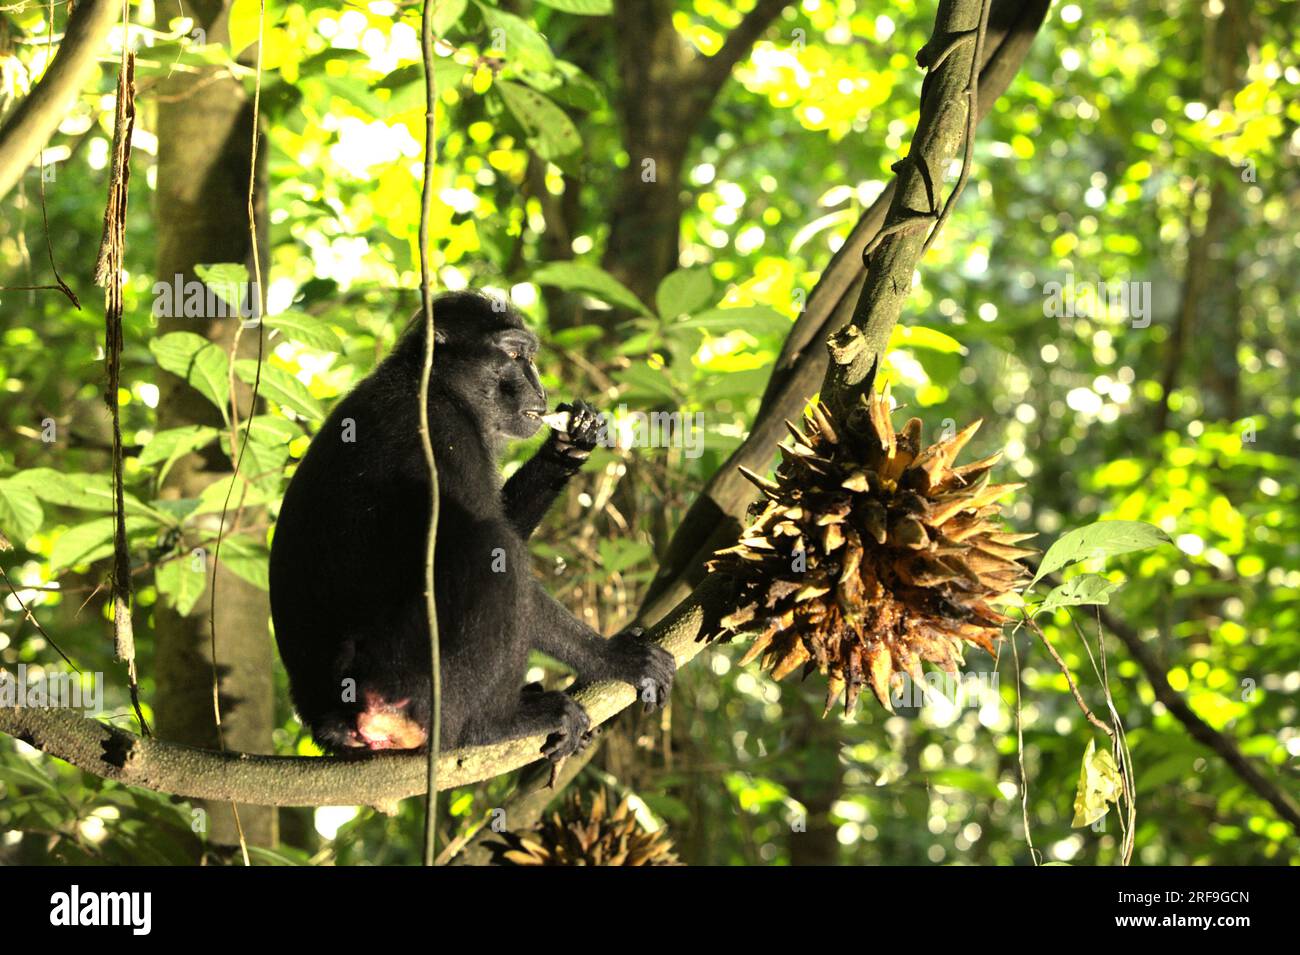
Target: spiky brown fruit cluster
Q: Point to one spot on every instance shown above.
(586, 833)
(869, 555)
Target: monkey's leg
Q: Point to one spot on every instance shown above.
(624, 656)
(558, 715)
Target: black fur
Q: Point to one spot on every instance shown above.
(347, 559)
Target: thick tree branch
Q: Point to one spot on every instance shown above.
(715, 514)
(30, 126)
(378, 780)
(914, 210)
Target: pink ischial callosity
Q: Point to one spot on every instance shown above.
(385, 725)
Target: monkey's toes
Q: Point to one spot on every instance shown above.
(573, 734)
(649, 667)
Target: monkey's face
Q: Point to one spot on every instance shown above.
(517, 397)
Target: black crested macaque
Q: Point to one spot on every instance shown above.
(347, 558)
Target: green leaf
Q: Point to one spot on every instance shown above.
(171, 444)
(281, 387)
(264, 462)
(755, 319)
(304, 328)
(447, 14)
(20, 512)
(645, 381)
(89, 492)
(967, 780)
(583, 8)
(577, 336)
(244, 15)
(198, 361)
(1103, 539)
(684, 292)
(92, 541)
(1099, 784)
(574, 277)
(1084, 589)
(523, 46)
(618, 555)
(735, 384)
(575, 88)
(918, 336)
(272, 429)
(213, 497)
(550, 131)
(181, 582)
(406, 84)
(248, 559)
(228, 281)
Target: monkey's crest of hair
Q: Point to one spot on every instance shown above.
(461, 316)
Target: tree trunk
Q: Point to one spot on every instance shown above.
(204, 142)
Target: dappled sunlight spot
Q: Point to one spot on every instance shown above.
(362, 145)
(328, 820)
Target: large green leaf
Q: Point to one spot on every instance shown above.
(281, 387)
(302, 327)
(447, 14)
(1103, 539)
(89, 492)
(1077, 591)
(587, 8)
(198, 361)
(171, 444)
(683, 292)
(181, 582)
(755, 319)
(264, 461)
(272, 429)
(918, 336)
(550, 131)
(20, 512)
(575, 277)
(218, 495)
(228, 281)
(523, 46)
(247, 559)
(92, 541)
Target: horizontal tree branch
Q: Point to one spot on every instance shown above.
(379, 780)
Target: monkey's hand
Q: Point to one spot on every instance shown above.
(648, 667)
(574, 731)
(579, 436)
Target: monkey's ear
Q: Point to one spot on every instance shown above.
(440, 336)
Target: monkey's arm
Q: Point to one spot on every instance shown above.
(625, 656)
(532, 489)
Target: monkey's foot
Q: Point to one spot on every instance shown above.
(648, 667)
(574, 732)
(385, 725)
